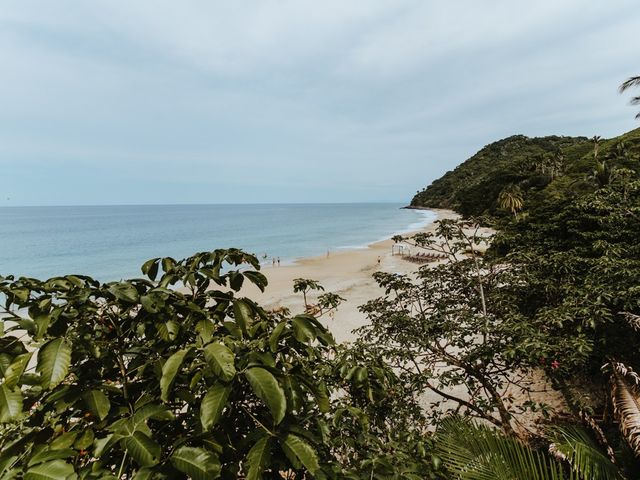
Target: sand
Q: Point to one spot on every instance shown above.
(345, 272)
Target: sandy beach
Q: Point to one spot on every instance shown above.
(345, 272)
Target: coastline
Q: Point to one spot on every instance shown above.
(347, 272)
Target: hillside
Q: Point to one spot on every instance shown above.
(538, 167)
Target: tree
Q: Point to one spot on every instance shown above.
(511, 199)
(629, 83)
(596, 145)
(602, 173)
(452, 331)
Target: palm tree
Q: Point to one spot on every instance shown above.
(596, 145)
(632, 82)
(511, 199)
(574, 446)
(602, 174)
(472, 451)
(625, 399)
(477, 452)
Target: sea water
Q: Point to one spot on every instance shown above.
(111, 242)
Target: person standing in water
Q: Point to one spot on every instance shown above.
(278, 261)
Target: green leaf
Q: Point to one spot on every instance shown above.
(151, 303)
(5, 361)
(242, 314)
(6, 462)
(54, 359)
(221, 360)
(14, 371)
(236, 279)
(98, 403)
(197, 463)
(267, 388)
(168, 264)
(154, 410)
(21, 294)
(66, 440)
(304, 453)
(10, 404)
(258, 459)
(85, 440)
(103, 445)
(257, 278)
(169, 371)
(150, 268)
(144, 451)
(143, 474)
(205, 329)
(274, 338)
(125, 292)
(54, 470)
(168, 330)
(24, 324)
(303, 330)
(47, 455)
(213, 404)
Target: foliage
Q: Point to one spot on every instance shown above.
(473, 187)
(140, 378)
(455, 331)
(379, 431)
(477, 452)
(575, 446)
(511, 199)
(626, 406)
(326, 303)
(582, 261)
(544, 169)
(629, 83)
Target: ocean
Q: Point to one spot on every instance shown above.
(112, 242)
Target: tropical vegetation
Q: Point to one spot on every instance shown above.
(177, 375)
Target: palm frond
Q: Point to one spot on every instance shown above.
(599, 434)
(623, 370)
(477, 452)
(630, 82)
(626, 406)
(585, 457)
(632, 319)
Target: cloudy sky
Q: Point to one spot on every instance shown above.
(154, 101)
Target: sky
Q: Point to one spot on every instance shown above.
(263, 101)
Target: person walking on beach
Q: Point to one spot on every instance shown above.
(273, 261)
(379, 259)
(278, 261)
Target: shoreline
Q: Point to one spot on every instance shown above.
(346, 272)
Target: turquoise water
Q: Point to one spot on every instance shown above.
(111, 242)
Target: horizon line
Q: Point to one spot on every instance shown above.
(198, 204)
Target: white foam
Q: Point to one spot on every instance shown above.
(428, 218)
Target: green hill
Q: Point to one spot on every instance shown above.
(538, 167)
